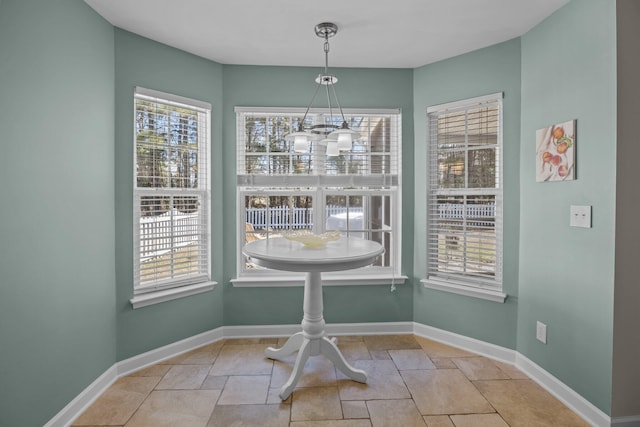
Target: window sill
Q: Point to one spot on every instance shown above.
(329, 280)
(470, 291)
(157, 297)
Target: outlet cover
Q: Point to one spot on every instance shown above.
(580, 216)
(541, 332)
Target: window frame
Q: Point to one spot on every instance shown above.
(319, 186)
(489, 289)
(167, 289)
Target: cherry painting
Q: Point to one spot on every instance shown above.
(555, 152)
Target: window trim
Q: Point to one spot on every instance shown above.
(489, 294)
(494, 290)
(163, 295)
(317, 185)
(166, 290)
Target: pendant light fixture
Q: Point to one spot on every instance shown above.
(337, 138)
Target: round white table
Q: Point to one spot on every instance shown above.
(282, 254)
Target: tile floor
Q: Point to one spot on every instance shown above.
(413, 381)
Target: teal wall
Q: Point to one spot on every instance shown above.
(142, 62)
(293, 87)
(57, 300)
(65, 316)
(485, 71)
(566, 274)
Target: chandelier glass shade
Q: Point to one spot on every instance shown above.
(336, 138)
(332, 147)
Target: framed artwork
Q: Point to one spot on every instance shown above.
(556, 152)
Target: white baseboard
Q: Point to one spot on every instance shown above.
(259, 331)
(557, 388)
(82, 401)
(379, 328)
(626, 421)
(473, 345)
(376, 328)
(562, 392)
(554, 386)
(132, 364)
(78, 405)
(550, 383)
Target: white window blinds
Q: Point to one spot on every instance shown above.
(171, 191)
(265, 157)
(464, 201)
(356, 192)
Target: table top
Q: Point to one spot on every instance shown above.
(344, 254)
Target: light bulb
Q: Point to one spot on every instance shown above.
(300, 144)
(332, 149)
(344, 141)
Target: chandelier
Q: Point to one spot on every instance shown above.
(337, 138)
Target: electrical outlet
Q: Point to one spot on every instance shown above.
(541, 332)
(580, 216)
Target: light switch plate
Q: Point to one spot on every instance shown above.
(580, 216)
(541, 332)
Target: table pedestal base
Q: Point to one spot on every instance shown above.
(312, 340)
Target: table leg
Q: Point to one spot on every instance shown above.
(312, 321)
(303, 355)
(293, 344)
(331, 351)
(311, 341)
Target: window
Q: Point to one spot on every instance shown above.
(464, 197)
(357, 192)
(171, 191)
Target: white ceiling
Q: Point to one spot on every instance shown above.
(371, 33)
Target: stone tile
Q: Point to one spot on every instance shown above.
(242, 341)
(251, 383)
(250, 416)
(524, 403)
(191, 358)
(318, 371)
(380, 355)
(170, 408)
(242, 360)
(151, 371)
(443, 363)
(411, 359)
(204, 355)
(273, 397)
(390, 342)
(316, 403)
(444, 391)
(184, 377)
(393, 413)
(436, 349)
(513, 372)
(245, 390)
(214, 383)
(479, 368)
(350, 338)
(354, 350)
(383, 382)
(479, 420)
(332, 423)
(213, 347)
(438, 421)
(354, 409)
(118, 403)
